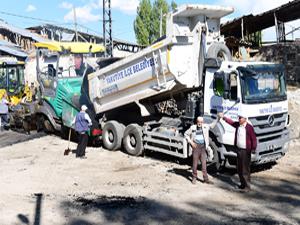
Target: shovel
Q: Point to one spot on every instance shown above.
(67, 151)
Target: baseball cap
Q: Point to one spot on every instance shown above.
(241, 114)
(84, 108)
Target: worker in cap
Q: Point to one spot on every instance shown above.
(197, 137)
(79, 65)
(83, 123)
(245, 143)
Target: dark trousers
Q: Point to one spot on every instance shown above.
(200, 152)
(82, 143)
(243, 167)
(4, 119)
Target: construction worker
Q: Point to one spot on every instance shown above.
(4, 113)
(245, 143)
(83, 123)
(79, 65)
(198, 137)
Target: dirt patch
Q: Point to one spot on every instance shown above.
(39, 185)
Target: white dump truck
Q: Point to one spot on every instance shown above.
(147, 100)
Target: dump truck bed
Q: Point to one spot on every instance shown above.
(172, 64)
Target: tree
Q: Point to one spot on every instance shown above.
(147, 21)
(160, 9)
(173, 6)
(142, 23)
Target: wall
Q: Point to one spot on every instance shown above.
(287, 54)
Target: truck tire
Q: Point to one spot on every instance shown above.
(219, 50)
(44, 123)
(133, 140)
(112, 135)
(216, 164)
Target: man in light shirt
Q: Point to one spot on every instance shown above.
(4, 112)
(245, 143)
(198, 137)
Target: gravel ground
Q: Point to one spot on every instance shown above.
(39, 185)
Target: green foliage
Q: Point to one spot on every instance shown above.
(160, 8)
(255, 39)
(147, 21)
(142, 23)
(173, 6)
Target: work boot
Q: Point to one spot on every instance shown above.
(245, 190)
(207, 181)
(194, 180)
(240, 187)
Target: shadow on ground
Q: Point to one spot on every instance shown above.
(273, 201)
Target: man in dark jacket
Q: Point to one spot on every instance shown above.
(82, 125)
(245, 143)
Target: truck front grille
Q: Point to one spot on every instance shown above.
(266, 131)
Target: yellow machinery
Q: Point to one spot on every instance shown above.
(12, 79)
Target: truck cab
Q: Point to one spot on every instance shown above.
(258, 91)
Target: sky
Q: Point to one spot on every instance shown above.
(26, 13)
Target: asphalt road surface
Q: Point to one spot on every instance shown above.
(8, 137)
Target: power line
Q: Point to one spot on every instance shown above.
(28, 17)
(53, 22)
(46, 20)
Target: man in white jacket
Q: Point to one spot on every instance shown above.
(198, 137)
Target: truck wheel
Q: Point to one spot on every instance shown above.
(216, 163)
(133, 140)
(112, 135)
(48, 126)
(43, 124)
(219, 50)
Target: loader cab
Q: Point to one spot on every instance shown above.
(61, 62)
(12, 80)
(54, 68)
(61, 67)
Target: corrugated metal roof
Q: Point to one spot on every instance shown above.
(253, 23)
(67, 37)
(67, 30)
(13, 51)
(23, 32)
(6, 43)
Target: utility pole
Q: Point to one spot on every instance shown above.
(107, 30)
(160, 23)
(75, 23)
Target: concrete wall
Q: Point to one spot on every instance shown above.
(287, 54)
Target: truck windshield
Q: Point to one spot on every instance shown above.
(15, 78)
(260, 85)
(3, 78)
